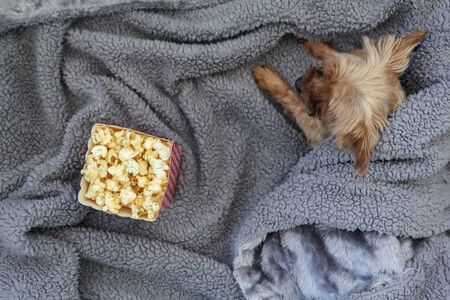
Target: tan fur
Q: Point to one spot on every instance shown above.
(350, 97)
(271, 82)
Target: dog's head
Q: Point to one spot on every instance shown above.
(353, 93)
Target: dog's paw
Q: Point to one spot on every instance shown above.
(269, 80)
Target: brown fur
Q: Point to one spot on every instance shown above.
(350, 96)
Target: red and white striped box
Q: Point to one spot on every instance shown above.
(174, 166)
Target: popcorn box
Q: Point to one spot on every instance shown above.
(129, 173)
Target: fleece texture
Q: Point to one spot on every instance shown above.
(180, 70)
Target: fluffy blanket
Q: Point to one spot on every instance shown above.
(250, 190)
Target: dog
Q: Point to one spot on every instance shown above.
(347, 95)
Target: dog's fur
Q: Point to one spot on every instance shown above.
(349, 96)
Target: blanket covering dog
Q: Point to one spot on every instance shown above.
(180, 69)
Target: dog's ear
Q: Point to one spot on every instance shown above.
(402, 49)
(319, 50)
(362, 149)
(361, 141)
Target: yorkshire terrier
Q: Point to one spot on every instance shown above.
(348, 95)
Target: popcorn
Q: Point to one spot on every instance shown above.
(119, 136)
(127, 196)
(102, 168)
(112, 185)
(123, 179)
(135, 211)
(143, 167)
(100, 200)
(127, 172)
(112, 157)
(139, 200)
(142, 181)
(152, 188)
(160, 174)
(148, 143)
(152, 215)
(126, 154)
(163, 150)
(150, 205)
(158, 164)
(136, 142)
(99, 151)
(149, 155)
(94, 169)
(132, 167)
(95, 188)
(116, 170)
(102, 136)
(89, 172)
(112, 203)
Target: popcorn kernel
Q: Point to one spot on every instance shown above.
(126, 154)
(163, 150)
(99, 151)
(142, 181)
(143, 167)
(112, 185)
(127, 196)
(132, 167)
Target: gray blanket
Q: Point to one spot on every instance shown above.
(180, 69)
